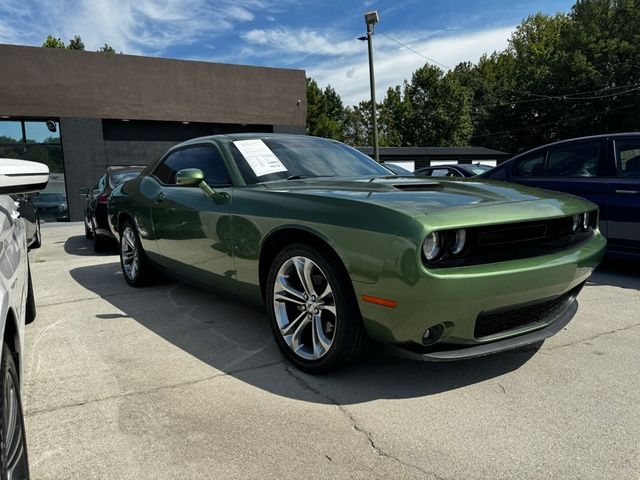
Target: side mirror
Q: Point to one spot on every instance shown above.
(84, 191)
(189, 177)
(22, 176)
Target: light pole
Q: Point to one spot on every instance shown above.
(370, 19)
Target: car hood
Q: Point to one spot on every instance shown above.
(415, 196)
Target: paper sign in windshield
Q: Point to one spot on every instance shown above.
(261, 160)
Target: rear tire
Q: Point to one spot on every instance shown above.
(313, 311)
(14, 462)
(136, 267)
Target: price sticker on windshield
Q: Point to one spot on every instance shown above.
(259, 157)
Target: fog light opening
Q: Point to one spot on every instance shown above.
(432, 335)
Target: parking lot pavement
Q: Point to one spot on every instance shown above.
(167, 382)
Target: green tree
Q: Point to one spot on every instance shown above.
(438, 109)
(106, 48)
(325, 111)
(53, 42)
(75, 43)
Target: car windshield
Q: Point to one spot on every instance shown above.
(120, 177)
(271, 159)
(478, 169)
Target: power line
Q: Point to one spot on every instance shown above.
(539, 97)
(553, 123)
(415, 51)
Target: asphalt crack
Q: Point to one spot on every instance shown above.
(594, 337)
(356, 426)
(148, 391)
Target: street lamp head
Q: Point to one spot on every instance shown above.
(371, 18)
(363, 39)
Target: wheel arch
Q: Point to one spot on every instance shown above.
(11, 336)
(283, 236)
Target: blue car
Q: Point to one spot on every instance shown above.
(604, 169)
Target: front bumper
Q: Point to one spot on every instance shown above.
(456, 297)
(512, 343)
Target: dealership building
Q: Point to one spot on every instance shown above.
(80, 112)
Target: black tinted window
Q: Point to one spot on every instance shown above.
(576, 160)
(204, 158)
(628, 157)
(120, 177)
(531, 165)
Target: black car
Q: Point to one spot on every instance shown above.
(604, 169)
(95, 213)
(397, 169)
(453, 170)
(29, 214)
(51, 206)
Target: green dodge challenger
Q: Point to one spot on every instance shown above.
(341, 251)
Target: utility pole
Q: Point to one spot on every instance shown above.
(370, 19)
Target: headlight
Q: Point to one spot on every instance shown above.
(577, 220)
(431, 246)
(459, 241)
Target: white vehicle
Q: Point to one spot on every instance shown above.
(17, 307)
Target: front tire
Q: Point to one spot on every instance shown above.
(312, 309)
(14, 463)
(136, 267)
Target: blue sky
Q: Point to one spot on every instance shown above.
(317, 36)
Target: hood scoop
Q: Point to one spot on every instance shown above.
(417, 186)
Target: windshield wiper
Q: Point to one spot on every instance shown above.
(296, 177)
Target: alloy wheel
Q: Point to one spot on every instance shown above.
(304, 307)
(130, 253)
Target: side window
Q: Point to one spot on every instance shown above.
(209, 160)
(575, 160)
(531, 165)
(453, 173)
(440, 172)
(98, 187)
(166, 171)
(628, 157)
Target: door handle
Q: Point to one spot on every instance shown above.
(161, 196)
(628, 192)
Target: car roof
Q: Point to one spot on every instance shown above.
(578, 139)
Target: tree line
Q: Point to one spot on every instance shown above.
(561, 76)
(74, 44)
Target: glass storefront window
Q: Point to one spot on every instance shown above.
(38, 132)
(40, 144)
(10, 132)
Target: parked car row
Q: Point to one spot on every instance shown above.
(96, 226)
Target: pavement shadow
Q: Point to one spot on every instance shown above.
(617, 273)
(237, 340)
(79, 245)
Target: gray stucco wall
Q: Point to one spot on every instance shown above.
(50, 82)
(84, 156)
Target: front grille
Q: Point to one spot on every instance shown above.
(490, 323)
(512, 241)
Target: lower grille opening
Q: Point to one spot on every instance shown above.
(491, 323)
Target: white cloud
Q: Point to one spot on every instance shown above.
(132, 26)
(339, 60)
(299, 40)
(349, 74)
